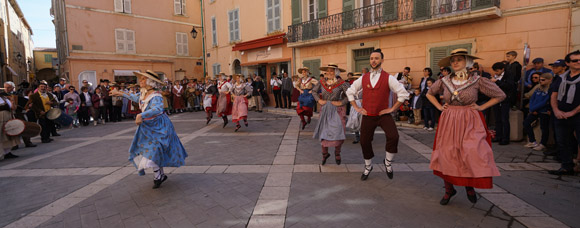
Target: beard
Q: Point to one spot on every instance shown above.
(377, 67)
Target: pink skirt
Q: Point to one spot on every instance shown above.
(462, 151)
(239, 109)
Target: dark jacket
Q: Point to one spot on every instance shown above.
(97, 100)
(508, 85)
(287, 84)
(37, 106)
(426, 103)
(419, 101)
(257, 85)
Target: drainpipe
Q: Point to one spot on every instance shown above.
(569, 27)
(203, 38)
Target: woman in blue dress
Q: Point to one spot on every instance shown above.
(306, 101)
(155, 144)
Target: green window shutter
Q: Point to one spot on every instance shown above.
(296, 18)
(322, 10)
(481, 4)
(314, 66)
(421, 9)
(47, 58)
(390, 12)
(437, 53)
(347, 14)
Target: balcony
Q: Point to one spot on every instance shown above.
(390, 16)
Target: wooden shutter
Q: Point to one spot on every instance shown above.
(231, 25)
(183, 12)
(347, 14)
(237, 24)
(119, 5)
(421, 9)
(296, 18)
(120, 41)
(481, 4)
(178, 45)
(127, 6)
(390, 10)
(185, 43)
(214, 31)
(130, 41)
(176, 7)
(437, 53)
(322, 9)
(277, 15)
(270, 15)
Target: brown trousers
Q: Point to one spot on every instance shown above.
(367, 133)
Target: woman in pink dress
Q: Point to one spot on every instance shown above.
(462, 152)
(241, 91)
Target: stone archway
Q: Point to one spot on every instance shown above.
(237, 67)
(47, 74)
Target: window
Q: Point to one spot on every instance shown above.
(47, 58)
(125, 41)
(214, 32)
(179, 7)
(234, 22)
(181, 41)
(312, 10)
(123, 6)
(437, 53)
(314, 66)
(273, 15)
(216, 68)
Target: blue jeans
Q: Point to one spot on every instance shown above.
(544, 126)
(566, 144)
(429, 115)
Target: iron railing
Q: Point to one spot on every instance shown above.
(385, 12)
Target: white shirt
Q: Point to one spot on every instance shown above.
(275, 82)
(415, 99)
(394, 86)
(225, 87)
(499, 77)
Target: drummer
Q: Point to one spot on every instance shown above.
(20, 103)
(42, 102)
(6, 108)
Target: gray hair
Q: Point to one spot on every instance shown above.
(336, 72)
(154, 84)
(10, 83)
(469, 61)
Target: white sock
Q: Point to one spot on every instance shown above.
(368, 162)
(158, 173)
(389, 161)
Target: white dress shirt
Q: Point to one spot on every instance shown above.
(394, 86)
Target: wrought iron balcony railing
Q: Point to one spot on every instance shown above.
(385, 12)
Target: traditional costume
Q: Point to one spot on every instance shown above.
(177, 91)
(355, 118)
(7, 142)
(241, 91)
(462, 153)
(306, 101)
(156, 144)
(331, 126)
(224, 103)
(376, 87)
(210, 99)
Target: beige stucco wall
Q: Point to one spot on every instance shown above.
(92, 24)
(39, 62)
(546, 31)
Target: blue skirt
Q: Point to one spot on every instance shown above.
(157, 141)
(306, 99)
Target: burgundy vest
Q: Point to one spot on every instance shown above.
(375, 99)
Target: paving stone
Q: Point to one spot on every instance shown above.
(306, 168)
(540, 222)
(271, 207)
(517, 166)
(278, 180)
(419, 167)
(281, 168)
(275, 193)
(281, 153)
(284, 160)
(513, 205)
(216, 169)
(332, 168)
(495, 189)
(547, 166)
(191, 169)
(247, 169)
(265, 221)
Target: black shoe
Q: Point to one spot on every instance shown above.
(355, 141)
(324, 157)
(447, 197)
(561, 172)
(10, 155)
(365, 177)
(246, 123)
(237, 128)
(30, 145)
(337, 159)
(54, 135)
(15, 147)
(225, 123)
(303, 125)
(207, 122)
(157, 183)
(46, 141)
(471, 196)
(389, 174)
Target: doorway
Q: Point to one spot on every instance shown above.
(361, 58)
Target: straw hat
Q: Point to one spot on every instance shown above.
(356, 75)
(332, 66)
(457, 52)
(149, 74)
(303, 68)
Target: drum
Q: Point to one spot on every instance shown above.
(59, 117)
(16, 127)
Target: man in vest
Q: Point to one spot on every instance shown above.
(376, 87)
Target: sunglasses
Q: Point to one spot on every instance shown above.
(574, 60)
(543, 79)
(534, 77)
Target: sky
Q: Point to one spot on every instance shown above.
(37, 14)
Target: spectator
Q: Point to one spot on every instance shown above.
(61, 83)
(287, 87)
(507, 84)
(558, 67)
(535, 79)
(565, 101)
(416, 103)
(276, 84)
(257, 91)
(428, 108)
(72, 94)
(513, 71)
(117, 106)
(88, 85)
(427, 73)
(445, 71)
(482, 98)
(41, 102)
(404, 78)
(539, 109)
(100, 109)
(71, 109)
(365, 70)
(538, 67)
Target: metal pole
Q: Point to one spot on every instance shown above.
(523, 77)
(203, 39)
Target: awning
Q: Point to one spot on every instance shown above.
(267, 61)
(12, 71)
(262, 42)
(124, 72)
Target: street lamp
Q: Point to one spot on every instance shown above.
(19, 57)
(193, 33)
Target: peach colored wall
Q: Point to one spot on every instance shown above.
(545, 32)
(155, 40)
(252, 20)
